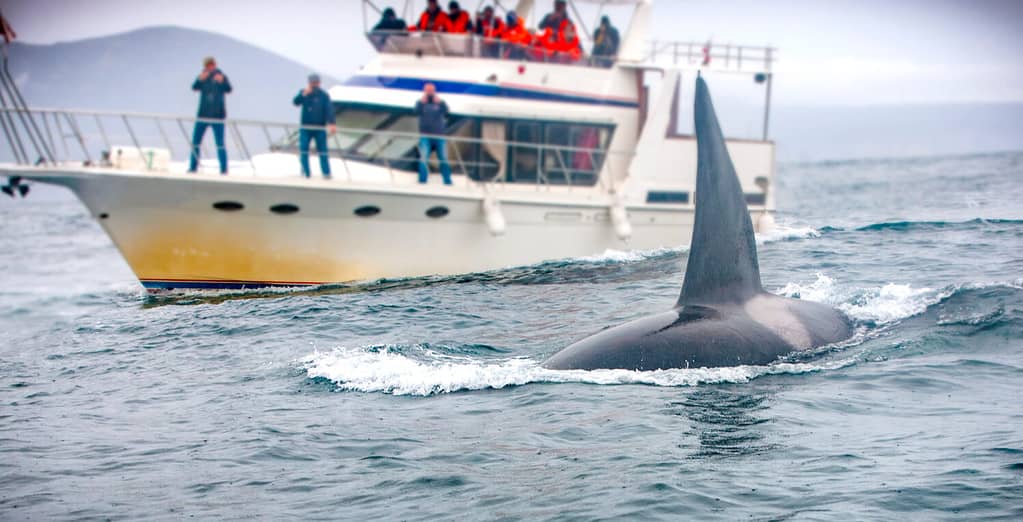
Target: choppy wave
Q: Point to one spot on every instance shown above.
(428, 370)
(873, 305)
(419, 370)
(425, 370)
(922, 225)
(786, 233)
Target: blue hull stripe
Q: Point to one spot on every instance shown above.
(479, 89)
(216, 285)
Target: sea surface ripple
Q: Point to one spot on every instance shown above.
(424, 399)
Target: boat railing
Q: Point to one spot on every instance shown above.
(676, 54)
(151, 142)
(711, 55)
(467, 45)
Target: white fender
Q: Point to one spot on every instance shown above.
(620, 219)
(765, 223)
(492, 213)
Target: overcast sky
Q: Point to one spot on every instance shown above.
(833, 52)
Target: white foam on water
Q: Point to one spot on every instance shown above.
(892, 302)
(626, 256)
(384, 371)
(881, 305)
(783, 232)
(822, 290)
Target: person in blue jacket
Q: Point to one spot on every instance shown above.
(212, 85)
(317, 111)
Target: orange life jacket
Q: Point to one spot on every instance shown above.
(490, 29)
(563, 43)
(441, 22)
(518, 34)
(460, 24)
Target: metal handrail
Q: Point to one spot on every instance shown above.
(70, 124)
(725, 56)
(470, 45)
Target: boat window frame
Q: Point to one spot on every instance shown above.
(473, 163)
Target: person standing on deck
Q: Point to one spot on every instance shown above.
(317, 113)
(432, 112)
(212, 85)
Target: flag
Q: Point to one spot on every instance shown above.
(9, 34)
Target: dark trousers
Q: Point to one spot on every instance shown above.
(218, 136)
(304, 135)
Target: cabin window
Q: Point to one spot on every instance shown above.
(367, 211)
(228, 206)
(756, 198)
(389, 136)
(577, 163)
(666, 196)
(284, 208)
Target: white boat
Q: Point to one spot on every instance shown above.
(551, 160)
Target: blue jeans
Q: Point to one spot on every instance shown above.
(304, 135)
(218, 136)
(426, 143)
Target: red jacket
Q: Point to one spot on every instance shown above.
(460, 24)
(517, 34)
(440, 22)
(490, 29)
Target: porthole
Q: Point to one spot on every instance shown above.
(367, 211)
(228, 206)
(104, 215)
(437, 212)
(284, 208)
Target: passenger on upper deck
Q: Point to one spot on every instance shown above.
(433, 19)
(558, 37)
(491, 28)
(389, 24)
(389, 21)
(556, 20)
(559, 46)
(517, 36)
(605, 43)
(459, 21)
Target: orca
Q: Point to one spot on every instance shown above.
(723, 316)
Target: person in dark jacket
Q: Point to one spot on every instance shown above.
(605, 43)
(212, 85)
(432, 112)
(556, 18)
(388, 25)
(317, 118)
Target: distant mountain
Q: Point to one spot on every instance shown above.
(152, 69)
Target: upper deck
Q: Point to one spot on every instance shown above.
(635, 49)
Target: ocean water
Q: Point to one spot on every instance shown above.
(424, 399)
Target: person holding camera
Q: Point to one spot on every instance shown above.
(212, 85)
(432, 112)
(317, 113)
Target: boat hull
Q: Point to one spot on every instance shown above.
(173, 236)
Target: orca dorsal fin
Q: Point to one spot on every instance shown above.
(722, 264)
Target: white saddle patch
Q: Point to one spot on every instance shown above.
(774, 314)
